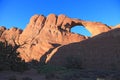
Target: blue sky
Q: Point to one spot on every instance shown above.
(18, 12)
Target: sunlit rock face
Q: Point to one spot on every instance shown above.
(42, 33)
(45, 37)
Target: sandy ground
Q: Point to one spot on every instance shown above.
(9, 75)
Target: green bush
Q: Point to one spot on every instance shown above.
(9, 59)
(50, 69)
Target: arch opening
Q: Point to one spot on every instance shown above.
(80, 30)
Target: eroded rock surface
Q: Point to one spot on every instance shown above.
(42, 32)
(45, 35)
(100, 52)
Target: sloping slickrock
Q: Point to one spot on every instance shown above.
(101, 52)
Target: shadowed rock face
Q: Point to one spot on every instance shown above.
(99, 52)
(45, 35)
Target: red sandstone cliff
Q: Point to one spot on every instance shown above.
(45, 36)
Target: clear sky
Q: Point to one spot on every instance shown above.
(18, 12)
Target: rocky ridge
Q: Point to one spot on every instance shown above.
(43, 36)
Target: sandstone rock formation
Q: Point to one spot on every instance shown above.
(10, 35)
(2, 29)
(45, 36)
(100, 52)
(41, 33)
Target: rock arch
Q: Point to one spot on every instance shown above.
(41, 32)
(94, 28)
(80, 30)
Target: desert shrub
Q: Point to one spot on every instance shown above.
(66, 74)
(9, 59)
(49, 69)
(34, 64)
